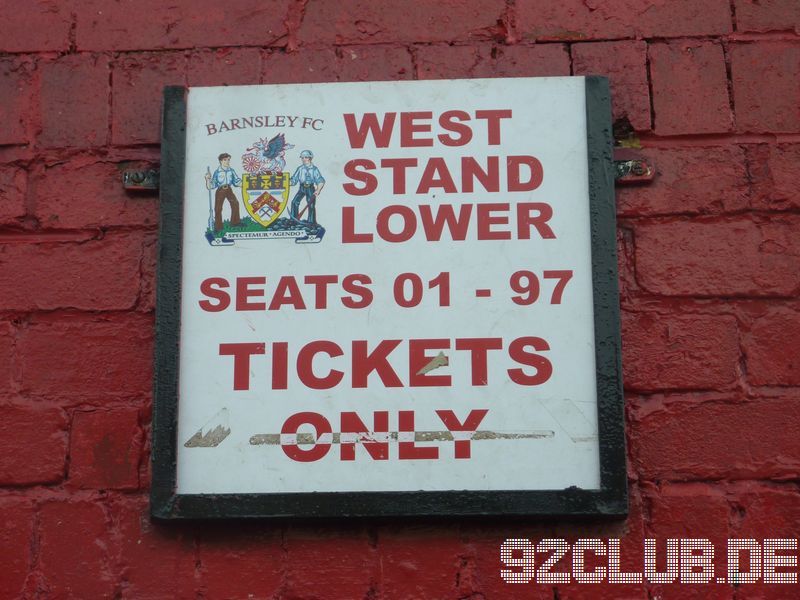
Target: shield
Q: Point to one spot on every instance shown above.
(265, 196)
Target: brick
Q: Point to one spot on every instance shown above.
(540, 60)
(243, 561)
(6, 356)
(37, 434)
(305, 66)
(419, 563)
(625, 64)
(690, 88)
(137, 94)
(689, 180)
(448, 62)
(625, 265)
(765, 591)
(16, 97)
(767, 15)
(592, 19)
(375, 63)
(690, 511)
(12, 194)
(154, 25)
(767, 348)
(74, 101)
(688, 439)
(766, 86)
(95, 275)
(35, 26)
(735, 257)
(334, 22)
(774, 171)
(147, 292)
(16, 532)
(84, 357)
(73, 554)
(343, 559)
(105, 447)
(662, 352)
(91, 196)
(158, 561)
(240, 66)
(765, 512)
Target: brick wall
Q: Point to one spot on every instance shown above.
(709, 268)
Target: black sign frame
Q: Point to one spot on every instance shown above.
(608, 501)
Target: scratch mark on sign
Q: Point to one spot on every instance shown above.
(440, 360)
(276, 439)
(568, 415)
(212, 434)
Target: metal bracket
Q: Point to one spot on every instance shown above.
(630, 168)
(140, 180)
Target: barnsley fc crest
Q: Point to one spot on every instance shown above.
(265, 196)
(265, 190)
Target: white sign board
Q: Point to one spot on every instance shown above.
(387, 288)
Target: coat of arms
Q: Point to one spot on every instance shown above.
(265, 189)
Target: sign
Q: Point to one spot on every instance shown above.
(393, 298)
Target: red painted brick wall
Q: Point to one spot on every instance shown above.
(709, 268)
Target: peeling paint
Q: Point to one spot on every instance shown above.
(212, 434)
(440, 360)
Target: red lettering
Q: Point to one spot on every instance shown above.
(287, 292)
(351, 423)
(445, 215)
(563, 277)
(349, 235)
(305, 367)
(471, 170)
(486, 220)
(207, 288)
(356, 286)
(436, 175)
(479, 349)
(410, 450)
(321, 427)
(517, 351)
(493, 118)
(365, 362)
(358, 170)
(244, 293)
(525, 218)
(515, 183)
(321, 283)
(280, 365)
(409, 223)
(462, 444)
(451, 120)
(398, 167)
(358, 132)
(409, 127)
(241, 353)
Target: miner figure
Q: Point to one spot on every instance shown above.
(310, 182)
(224, 180)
